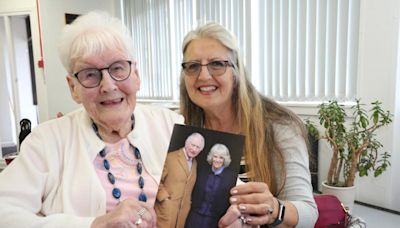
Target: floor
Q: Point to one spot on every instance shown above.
(375, 218)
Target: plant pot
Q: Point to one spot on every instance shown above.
(346, 195)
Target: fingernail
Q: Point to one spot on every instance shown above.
(249, 219)
(234, 191)
(242, 208)
(233, 200)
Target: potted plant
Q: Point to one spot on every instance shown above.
(354, 144)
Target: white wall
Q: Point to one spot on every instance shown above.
(379, 45)
(396, 136)
(52, 21)
(16, 5)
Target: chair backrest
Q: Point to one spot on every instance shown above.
(25, 129)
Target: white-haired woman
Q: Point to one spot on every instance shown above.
(98, 166)
(209, 197)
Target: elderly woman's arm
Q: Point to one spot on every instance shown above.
(22, 190)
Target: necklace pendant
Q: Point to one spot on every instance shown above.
(139, 168)
(137, 154)
(106, 164)
(142, 197)
(141, 182)
(111, 178)
(116, 193)
(103, 153)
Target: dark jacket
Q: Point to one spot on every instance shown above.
(216, 202)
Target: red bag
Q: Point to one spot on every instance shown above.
(332, 213)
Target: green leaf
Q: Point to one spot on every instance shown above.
(347, 134)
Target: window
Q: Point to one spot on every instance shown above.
(303, 50)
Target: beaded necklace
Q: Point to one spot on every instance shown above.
(116, 192)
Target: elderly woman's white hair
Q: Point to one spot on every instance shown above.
(90, 35)
(221, 150)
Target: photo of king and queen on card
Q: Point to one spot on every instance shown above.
(200, 169)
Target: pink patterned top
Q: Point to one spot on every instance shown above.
(123, 167)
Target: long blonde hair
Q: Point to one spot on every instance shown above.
(255, 112)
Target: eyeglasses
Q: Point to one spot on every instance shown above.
(215, 68)
(91, 77)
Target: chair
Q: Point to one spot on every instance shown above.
(25, 129)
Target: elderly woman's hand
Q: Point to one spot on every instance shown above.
(233, 218)
(129, 213)
(252, 204)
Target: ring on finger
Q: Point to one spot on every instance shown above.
(270, 210)
(138, 221)
(140, 213)
(243, 220)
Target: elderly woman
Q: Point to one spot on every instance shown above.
(99, 166)
(217, 94)
(209, 197)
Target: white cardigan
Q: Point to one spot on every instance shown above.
(53, 183)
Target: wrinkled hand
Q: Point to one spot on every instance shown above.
(232, 218)
(126, 214)
(253, 201)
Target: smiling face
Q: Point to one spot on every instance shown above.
(110, 104)
(205, 90)
(193, 146)
(217, 161)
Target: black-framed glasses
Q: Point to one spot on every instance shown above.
(215, 68)
(91, 77)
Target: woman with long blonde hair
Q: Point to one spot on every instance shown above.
(216, 93)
